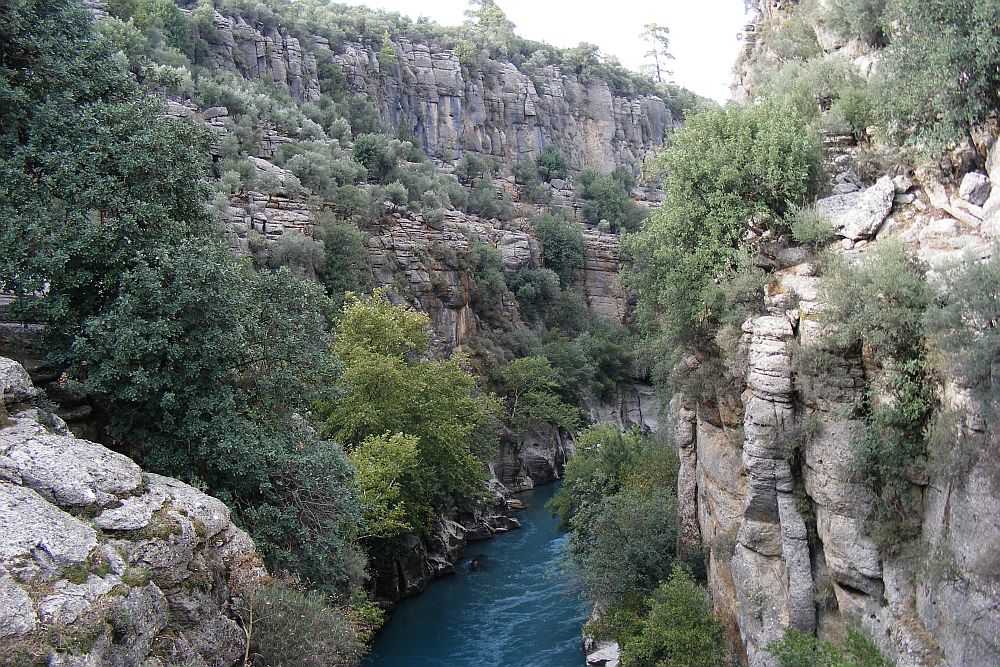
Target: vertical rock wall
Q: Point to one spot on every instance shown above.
(777, 508)
(505, 113)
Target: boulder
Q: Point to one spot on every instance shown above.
(975, 188)
(858, 215)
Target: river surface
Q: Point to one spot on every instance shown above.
(519, 610)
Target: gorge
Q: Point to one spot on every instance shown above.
(297, 297)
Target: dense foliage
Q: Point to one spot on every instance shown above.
(198, 363)
(679, 630)
(607, 201)
(389, 387)
(881, 304)
(726, 169)
(941, 68)
(800, 649)
(618, 502)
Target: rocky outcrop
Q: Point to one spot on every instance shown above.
(633, 406)
(101, 563)
(504, 113)
(424, 559)
(255, 51)
(598, 281)
(765, 480)
(858, 215)
(537, 456)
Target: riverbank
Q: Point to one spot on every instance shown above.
(516, 608)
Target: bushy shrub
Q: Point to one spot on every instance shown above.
(396, 193)
(293, 627)
(965, 326)
(881, 304)
(353, 203)
(302, 254)
(879, 301)
(795, 38)
(489, 287)
(472, 167)
(819, 85)
(858, 19)
(800, 649)
(536, 291)
(551, 163)
(345, 264)
(532, 189)
(812, 228)
(485, 202)
(563, 246)
(374, 153)
(606, 197)
(725, 168)
(679, 630)
(941, 71)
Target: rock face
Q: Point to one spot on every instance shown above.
(101, 563)
(425, 559)
(775, 503)
(270, 54)
(505, 113)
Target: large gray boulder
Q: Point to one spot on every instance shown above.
(975, 188)
(858, 215)
(101, 562)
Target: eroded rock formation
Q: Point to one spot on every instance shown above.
(102, 563)
(505, 113)
(780, 513)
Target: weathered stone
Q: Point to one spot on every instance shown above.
(975, 188)
(124, 587)
(15, 384)
(859, 215)
(64, 469)
(17, 612)
(508, 117)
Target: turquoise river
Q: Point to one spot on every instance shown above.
(518, 609)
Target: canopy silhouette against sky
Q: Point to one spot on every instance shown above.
(703, 32)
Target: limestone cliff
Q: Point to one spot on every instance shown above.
(102, 563)
(505, 113)
(781, 516)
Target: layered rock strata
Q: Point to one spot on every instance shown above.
(506, 113)
(765, 480)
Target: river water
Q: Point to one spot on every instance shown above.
(517, 611)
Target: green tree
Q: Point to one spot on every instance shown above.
(387, 54)
(729, 170)
(941, 70)
(563, 246)
(491, 25)
(551, 163)
(388, 387)
(345, 266)
(531, 387)
(606, 197)
(679, 630)
(372, 151)
(196, 362)
(658, 38)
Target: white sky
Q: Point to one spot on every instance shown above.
(703, 32)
